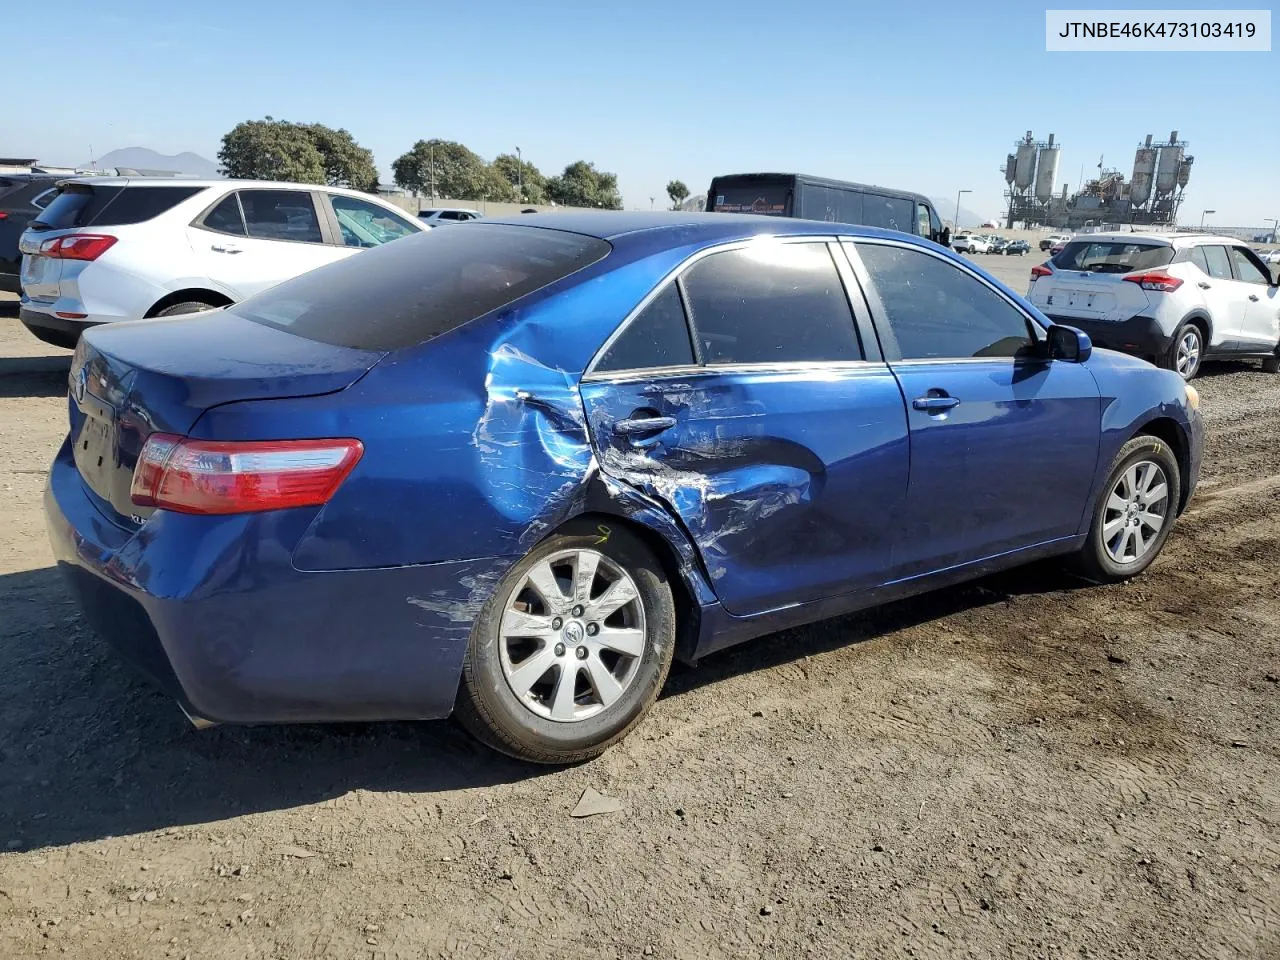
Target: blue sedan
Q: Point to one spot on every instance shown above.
(510, 470)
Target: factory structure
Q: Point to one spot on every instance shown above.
(1150, 197)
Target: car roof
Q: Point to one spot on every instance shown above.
(664, 228)
(206, 182)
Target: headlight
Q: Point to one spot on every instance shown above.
(1193, 397)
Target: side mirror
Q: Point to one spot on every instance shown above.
(946, 237)
(1069, 344)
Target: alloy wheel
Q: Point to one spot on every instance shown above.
(1189, 353)
(1136, 512)
(572, 635)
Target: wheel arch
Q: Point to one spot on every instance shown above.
(1174, 434)
(1200, 317)
(201, 294)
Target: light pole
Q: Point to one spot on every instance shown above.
(1203, 214)
(651, 203)
(520, 174)
(956, 222)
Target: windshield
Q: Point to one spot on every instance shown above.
(1110, 256)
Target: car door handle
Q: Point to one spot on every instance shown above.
(639, 426)
(1253, 297)
(935, 404)
(224, 248)
(1204, 286)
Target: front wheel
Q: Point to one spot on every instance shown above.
(571, 650)
(1134, 513)
(187, 306)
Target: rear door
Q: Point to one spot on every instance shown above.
(1003, 446)
(1260, 326)
(1226, 298)
(252, 239)
(777, 444)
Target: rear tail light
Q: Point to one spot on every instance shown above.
(77, 246)
(1156, 280)
(1040, 271)
(211, 477)
(4, 215)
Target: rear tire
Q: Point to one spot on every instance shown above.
(559, 678)
(1186, 353)
(187, 306)
(1134, 512)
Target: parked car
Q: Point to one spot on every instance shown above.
(22, 196)
(1271, 256)
(502, 471)
(969, 243)
(996, 244)
(1017, 247)
(118, 248)
(1174, 299)
(1047, 243)
(438, 216)
(1059, 246)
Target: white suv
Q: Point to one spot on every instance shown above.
(119, 248)
(969, 243)
(1174, 299)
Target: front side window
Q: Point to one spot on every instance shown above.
(935, 310)
(656, 337)
(365, 224)
(1218, 260)
(923, 227)
(1246, 269)
(281, 215)
(770, 302)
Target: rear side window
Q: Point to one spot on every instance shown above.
(281, 215)
(1200, 260)
(771, 303)
(84, 205)
(1112, 256)
(226, 217)
(656, 337)
(404, 293)
(1219, 262)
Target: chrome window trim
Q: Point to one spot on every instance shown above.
(685, 265)
(695, 370)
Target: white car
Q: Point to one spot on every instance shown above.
(123, 248)
(967, 243)
(439, 216)
(1174, 299)
(1271, 256)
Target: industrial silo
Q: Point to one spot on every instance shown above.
(1024, 173)
(1010, 165)
(1167, 167)
(1184, 172)
(1047, 170)
(1144, 168)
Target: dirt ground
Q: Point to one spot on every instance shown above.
(1028, 766)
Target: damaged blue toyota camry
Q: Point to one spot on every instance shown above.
(510, 470)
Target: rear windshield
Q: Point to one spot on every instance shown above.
(419, 287)
(1110, 256)
(85, 205)
(768, 197)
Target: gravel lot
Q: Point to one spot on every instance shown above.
(1028, 766)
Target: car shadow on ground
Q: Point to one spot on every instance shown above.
(8, 309)
(91, 751)
(34, 376)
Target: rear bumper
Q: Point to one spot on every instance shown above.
(1137, 336)
(53, 329)
(214, 613)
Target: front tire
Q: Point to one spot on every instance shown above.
(187, 306)
(571, 650)
(1134, 513)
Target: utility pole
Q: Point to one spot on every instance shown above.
(520, 174)
(1202, 216)
(956, 222)
(433, 173)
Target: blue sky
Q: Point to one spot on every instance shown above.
(922, 95)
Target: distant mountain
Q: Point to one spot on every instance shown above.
(947, 211)
(142, 158)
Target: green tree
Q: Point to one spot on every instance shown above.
(522, 173)
(678, 193)
(582, 185)
(456, 172)
(346, 163)
(271, 150)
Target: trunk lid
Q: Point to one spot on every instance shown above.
(129, 380)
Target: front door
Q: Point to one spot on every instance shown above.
(1260, 327)
(1003, 445)
(779, 448)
